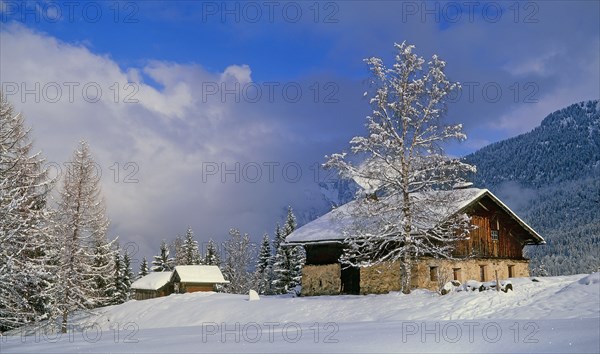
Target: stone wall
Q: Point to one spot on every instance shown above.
(383, 278)
(321, 279)
(380, 279)
(465, 270)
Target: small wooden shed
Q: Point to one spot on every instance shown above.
(153, 285)
(192, 278)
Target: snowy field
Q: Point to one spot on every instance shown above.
(554, 315)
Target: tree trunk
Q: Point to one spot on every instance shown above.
(497, 281)
(63, 327)
(406, 275)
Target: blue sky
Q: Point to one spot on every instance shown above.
(518, 62)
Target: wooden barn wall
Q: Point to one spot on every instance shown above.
(194, 287)
(480, 243)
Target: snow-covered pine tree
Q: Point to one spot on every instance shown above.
(278, 239)
(143, 268)
(264, 272)
(281, 271)
(128, 276)
(162, 262)
(81, 226)
(122, 278)
(236, 269)
(281, 276)
(191, 254)
(297, 256)
(289, 260)
(104, 271)
(28, 248)
(117, 294)
(297, 260)
(212, 255)
(405, 168)
(290, 223)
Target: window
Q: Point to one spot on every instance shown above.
(482, 272)
(495, 235)
(456, 273)
(433, 273)
(511, 271)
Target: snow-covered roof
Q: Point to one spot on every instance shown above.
(331, 226)
(152, 281)
(200, 274)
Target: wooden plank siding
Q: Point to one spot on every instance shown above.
(194, 287)
(486, 217)
(142, 294)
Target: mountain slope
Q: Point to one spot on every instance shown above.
(551, 176)
(565, 147)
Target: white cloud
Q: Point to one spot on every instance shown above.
(168, 136)
(239, 73)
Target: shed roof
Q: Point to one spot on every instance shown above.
(152, 281)
(200, 274)
(331, 226)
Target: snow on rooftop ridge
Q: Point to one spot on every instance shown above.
(330, 227)
(327, 227)
(200, 274)
(152, 281)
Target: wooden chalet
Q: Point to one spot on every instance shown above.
(192, 278)
(184, 279)
(495, 245)
(153, 285)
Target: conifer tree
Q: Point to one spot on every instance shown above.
(288, 260)
(263, 266)
(191, 254)
(162, 262)
(122, 278)
(278, 239)
(290, 223)
(143, 268)
(104, 272)
(212, 256)
(128, 276)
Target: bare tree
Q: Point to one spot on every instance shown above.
(405, 174)
(236, 268)
(176, 248)
(82, 226)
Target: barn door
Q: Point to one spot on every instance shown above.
(351, 281)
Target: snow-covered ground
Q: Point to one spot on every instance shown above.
(554, 315)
